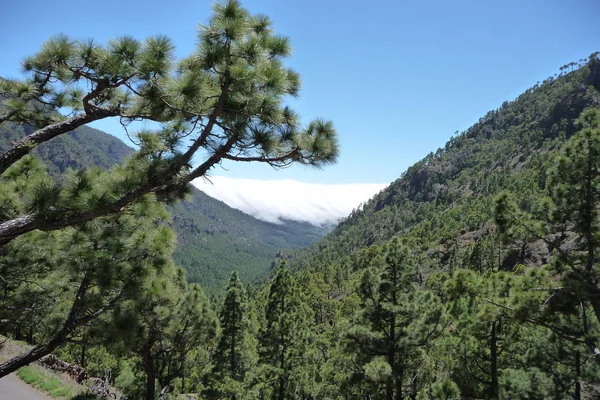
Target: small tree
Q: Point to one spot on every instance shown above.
(162, 327)
(398, 318)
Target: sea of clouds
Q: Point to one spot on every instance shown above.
(276, 200)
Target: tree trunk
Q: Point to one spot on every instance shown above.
(27, 358)
(593, 299)
(389, 390)
(17, 332)
(233, 339)
(399, 380)
(281, 394)
(150, 374)
(282, 343)
(29, 338)
(83, 352)
(577, 394)
(494, 360)
(182, 380)
(391, 356)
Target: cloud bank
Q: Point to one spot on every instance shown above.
(274, 200)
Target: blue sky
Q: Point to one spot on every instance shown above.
(398, 78)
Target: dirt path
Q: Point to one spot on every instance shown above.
(12, 387)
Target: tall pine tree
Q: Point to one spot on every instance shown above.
(235, 354)
(284, 351)
(397, 319)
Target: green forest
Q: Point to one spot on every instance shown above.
(474, 275)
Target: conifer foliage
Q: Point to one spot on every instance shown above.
(89, 250)
(397, 318)
(235, 354)
(59, 283)
(284, 352)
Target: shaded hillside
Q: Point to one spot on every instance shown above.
(444, 202)
(213, 238)
(79, 149)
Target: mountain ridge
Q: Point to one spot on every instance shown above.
(506, 147)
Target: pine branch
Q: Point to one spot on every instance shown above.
(17, 226)
(35, 95)
(29, 142)
(281, 161)
(212, 119)
(554, 329)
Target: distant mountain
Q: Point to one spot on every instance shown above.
(443, 204)
(213, 238)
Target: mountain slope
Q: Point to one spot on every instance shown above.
(443, 204)
(213, 238)
(79, 149)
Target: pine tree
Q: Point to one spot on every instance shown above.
(163, 327)
(235, 354)
(502, 346)
(284, 351)
(480, 332)
(571, 224)
(226, 101)
(192, 328)
(398, 318)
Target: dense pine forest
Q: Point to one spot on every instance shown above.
(473, 276)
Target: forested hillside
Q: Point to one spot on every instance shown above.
(475, 274)
(444, 203)
(213, 238)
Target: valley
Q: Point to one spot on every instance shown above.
(473, 275)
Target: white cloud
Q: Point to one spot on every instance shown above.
(273, 200)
